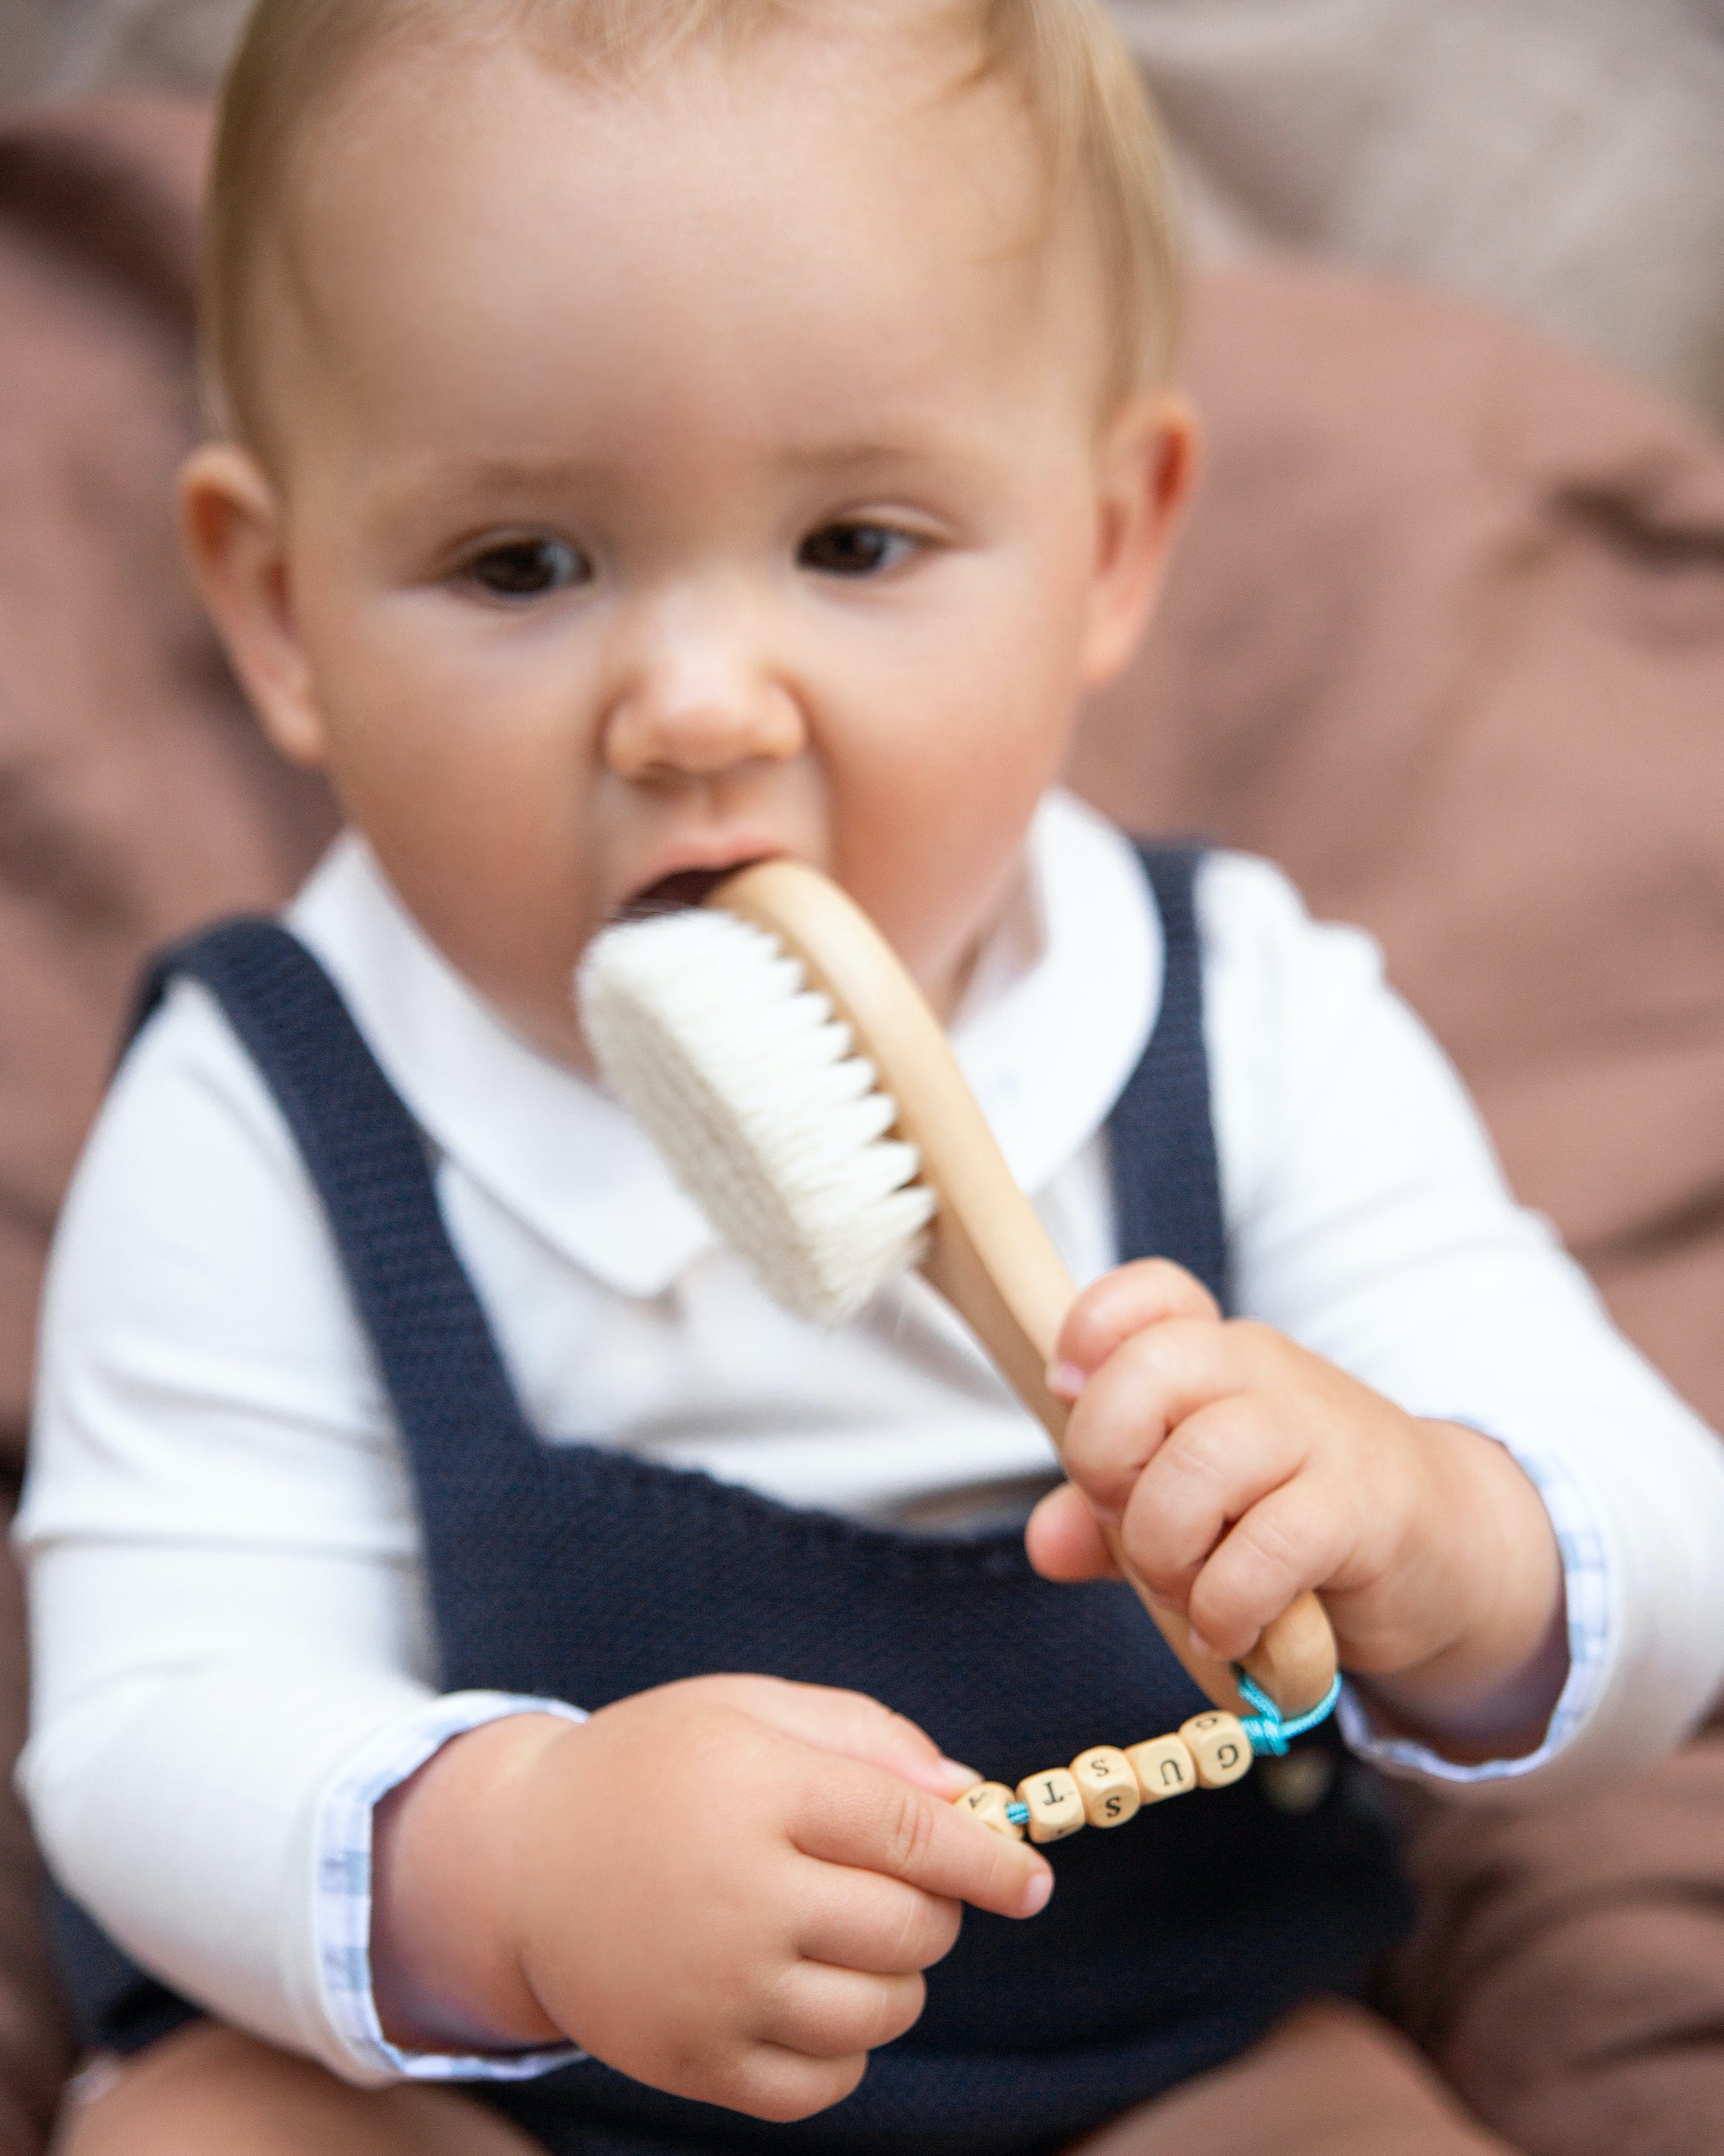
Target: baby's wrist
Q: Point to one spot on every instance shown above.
(1467, 1722)
(1496, 1656)
(447, 1938)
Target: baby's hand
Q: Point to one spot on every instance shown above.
(728, 1888)
(1240, 1469)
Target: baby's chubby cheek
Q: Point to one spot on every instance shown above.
(505, 891)
(930, 842)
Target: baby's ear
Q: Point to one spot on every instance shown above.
(230, 517)
(1147, 465)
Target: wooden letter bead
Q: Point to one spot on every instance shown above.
(1164, 1768)
(1107, 1786)
(1220, 1749)
(988, 1800)
(1056, 1807)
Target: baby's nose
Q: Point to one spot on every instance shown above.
(693, 715)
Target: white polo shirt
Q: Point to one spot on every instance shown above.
(234, 1654)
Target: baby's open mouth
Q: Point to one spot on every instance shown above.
(672, 894)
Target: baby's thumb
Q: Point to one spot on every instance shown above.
(857, 1728)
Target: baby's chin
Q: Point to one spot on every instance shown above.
(556, 1036)
(539, 1012)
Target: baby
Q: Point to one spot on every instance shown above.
(480, 1639)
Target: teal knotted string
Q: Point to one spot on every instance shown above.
(1270, 1732)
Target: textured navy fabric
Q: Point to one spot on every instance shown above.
(575, 1572)
(1166, 1183)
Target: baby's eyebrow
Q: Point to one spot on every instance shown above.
(435, 487)
(841, 456)
(448, 483)
(488, 474)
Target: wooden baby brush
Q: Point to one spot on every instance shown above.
(773, 1047)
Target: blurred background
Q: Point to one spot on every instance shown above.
(1445, 636)
(1561, 157)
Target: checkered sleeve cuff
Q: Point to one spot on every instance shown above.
(344, 1890)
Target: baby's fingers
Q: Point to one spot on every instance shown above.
(1119, 1304)
(1287, 1542)
(850, 1724)
(877, 1823)
(1150, 1384)
(860, 1920)
(1234, 1519)
(827, 2012)
(1064, 1538)
(781, 2084)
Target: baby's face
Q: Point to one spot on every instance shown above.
(659, 481)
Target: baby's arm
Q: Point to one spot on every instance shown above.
(226, 1611)
(728, 1888)
(1368, 1223)
(233, 1660)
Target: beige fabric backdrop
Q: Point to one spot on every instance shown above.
(1557, 156)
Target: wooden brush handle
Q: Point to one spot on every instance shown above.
(989, 1255)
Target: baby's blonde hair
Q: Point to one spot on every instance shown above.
(1063, 57)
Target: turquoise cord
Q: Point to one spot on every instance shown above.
(1270, 1734)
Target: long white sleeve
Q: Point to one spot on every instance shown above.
(225, 1600)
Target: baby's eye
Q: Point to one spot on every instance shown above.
(528, 568)
(855, 550)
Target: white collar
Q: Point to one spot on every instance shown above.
(1063, 1001)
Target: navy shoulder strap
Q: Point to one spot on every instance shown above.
(1167, 1179)
(369, 1162)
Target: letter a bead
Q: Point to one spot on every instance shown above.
(1056, 1807)
(1107, 1786)
(1219, 1747)
(988, 1800)
(1163, 1767)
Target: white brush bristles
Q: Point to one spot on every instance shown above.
(708, 1032)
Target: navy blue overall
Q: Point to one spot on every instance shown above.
(577, 1573)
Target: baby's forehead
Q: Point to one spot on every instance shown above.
(775, 201)
(873, 87)
(424, 140)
